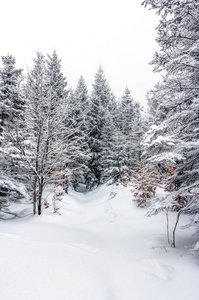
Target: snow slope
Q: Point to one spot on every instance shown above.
(101, 247)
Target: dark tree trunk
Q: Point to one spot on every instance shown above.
(40, 197)
(66, 186)
(1, 129)
(35, 196)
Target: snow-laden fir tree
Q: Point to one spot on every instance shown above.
(12, 108)
(76, 146)
(55, 79)
(176, 137)
(109, 163)
(131, 127)
(100, 101)
(81, 105)
(11, 103)
(77, 117)
(127, 113)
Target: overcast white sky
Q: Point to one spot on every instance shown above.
(118, 34)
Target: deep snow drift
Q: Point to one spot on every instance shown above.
(101, 247)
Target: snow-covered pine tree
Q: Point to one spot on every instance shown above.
(55, 79)
(126, 112)
(56, 86)
(108, 162)
(131, 127)
(76, 147)
(11, 103)
(12, 108)
(177, 137)
(78, 106)
(81, 102)
(100, 101)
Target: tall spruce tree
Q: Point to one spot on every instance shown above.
(81, 101)
(11, 115)
(12, 107)
(11, 103)
(101, 100)
(78, 106)
(176, 137)
(111, 162)
(55, 79)
(131, 127)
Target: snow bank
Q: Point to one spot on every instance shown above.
(101, 247)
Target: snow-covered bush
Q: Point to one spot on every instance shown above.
(124, 180)
(144, 184)
(12, 194)
(57, 198)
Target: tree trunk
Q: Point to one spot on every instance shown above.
(35, 196)
(167, 217)
(66, 185)
(175, 227)
(1, 129)
(34, 202)
(40, 197)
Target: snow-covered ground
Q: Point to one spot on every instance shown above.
(101, 247)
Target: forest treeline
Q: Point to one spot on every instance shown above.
(50, 133)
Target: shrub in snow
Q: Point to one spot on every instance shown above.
(46, 204)
(124, 180)
(144, 184)
(57, 198)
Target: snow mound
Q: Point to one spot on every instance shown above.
(157, 268)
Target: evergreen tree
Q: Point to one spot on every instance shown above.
(78, 106)
(81, 102)
(11, 103)
(11, 120)
(108, 161)
(127, 113)
(76, 144)
(131, 127)
(55, 79)
(100, 101)
(175, 137)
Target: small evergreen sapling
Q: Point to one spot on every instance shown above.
(124, 180)
(144, 184)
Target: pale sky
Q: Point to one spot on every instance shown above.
(119, 35)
